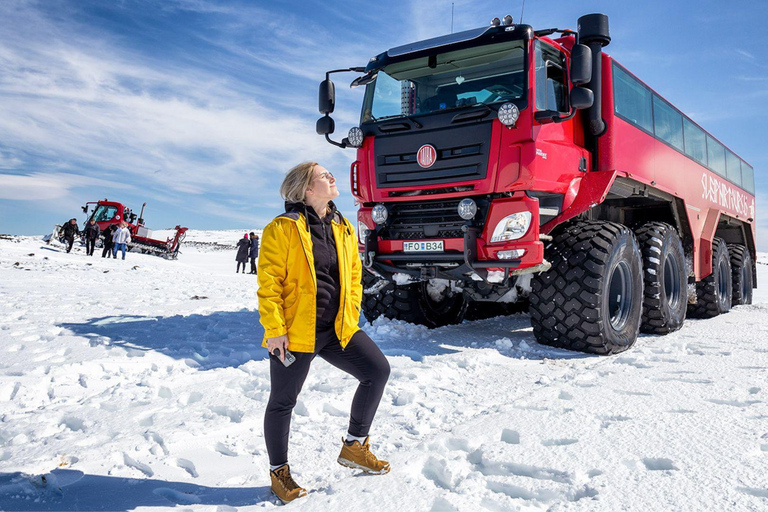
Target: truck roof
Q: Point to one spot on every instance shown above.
(455, 41)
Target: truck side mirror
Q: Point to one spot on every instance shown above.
(325, 125)
(581, 98)
(326, 97)
(581, 64)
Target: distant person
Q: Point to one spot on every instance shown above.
(313, 247)
(91, 234)
(69, 230)
(121, 238)
(108, 243)
(253, 253)
(243, 246)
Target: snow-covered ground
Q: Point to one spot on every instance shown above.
(140, 384)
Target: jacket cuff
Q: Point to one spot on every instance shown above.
(274, 333)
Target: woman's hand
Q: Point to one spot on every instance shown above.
(280, 342)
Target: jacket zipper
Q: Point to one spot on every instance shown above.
(344, 302)
(311, 271)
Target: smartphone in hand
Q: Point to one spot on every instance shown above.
(289, 358)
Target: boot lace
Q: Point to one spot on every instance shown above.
(285, 478)
(370, 458)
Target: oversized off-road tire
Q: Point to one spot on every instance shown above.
(666, 284)
(591, 299)
(741, 274)
(411, 303)
(714, 292)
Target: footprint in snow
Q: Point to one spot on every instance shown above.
(510, 436)
(610, 420)
(234, 415)
(144, 468)
(759, 493)
(559, 442)
(187, 466)
(733, 403)
(225, 450)
(660, 465)
(179, 498)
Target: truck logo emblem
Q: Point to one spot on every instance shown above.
(426, 156)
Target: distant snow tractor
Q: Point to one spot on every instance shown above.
(106, 213)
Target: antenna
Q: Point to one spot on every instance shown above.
(451, 17)
(522, 10)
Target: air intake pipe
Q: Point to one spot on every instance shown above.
(593, 32)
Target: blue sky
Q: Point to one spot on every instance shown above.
(198, 107)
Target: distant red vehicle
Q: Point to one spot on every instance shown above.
(106, 213)
(501, 163)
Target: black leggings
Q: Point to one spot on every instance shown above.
(362, 359)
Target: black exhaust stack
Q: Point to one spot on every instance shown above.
(593, 32)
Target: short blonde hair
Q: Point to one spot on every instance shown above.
(296, 182)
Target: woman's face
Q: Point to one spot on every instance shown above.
(323, 185)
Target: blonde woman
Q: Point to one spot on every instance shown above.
(309, 301)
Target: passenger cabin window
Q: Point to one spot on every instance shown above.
(716, 156)
(637, 104)
(551, 84)
(733, 167)
(747, 177)
(667, 123)
(695, 141)
(632, 100)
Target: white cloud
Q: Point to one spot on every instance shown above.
(48, 186)
(83, 101)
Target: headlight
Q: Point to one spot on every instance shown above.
(362, 232)
(508, 114)
(467, 209)
(512, 227)
(355, 137)
(379, 214)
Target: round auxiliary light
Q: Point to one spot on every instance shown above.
(467, 209)
(355, 137)
(379, 214)
(508, 114)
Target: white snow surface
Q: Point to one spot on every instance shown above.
(141, 385)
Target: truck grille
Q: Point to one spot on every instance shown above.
(462, 155)
(432, 219)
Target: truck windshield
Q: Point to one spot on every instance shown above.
(104, 213)
(462, 78)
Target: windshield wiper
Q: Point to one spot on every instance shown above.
(476, 113)
(411, 119)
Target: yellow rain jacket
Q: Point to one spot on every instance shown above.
(288, 284)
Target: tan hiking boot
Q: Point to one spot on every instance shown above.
(284, 486)
(358, 456)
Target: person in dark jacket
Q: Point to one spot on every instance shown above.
(69, 230)
(108, 243)
(91, 234)
(243, 246)
(253, 253)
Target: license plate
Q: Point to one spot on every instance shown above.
(432, 246)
